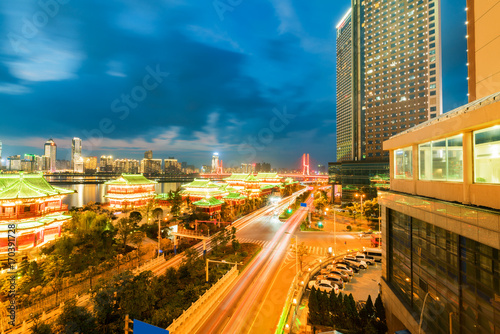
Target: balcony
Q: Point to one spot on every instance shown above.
(32, 214)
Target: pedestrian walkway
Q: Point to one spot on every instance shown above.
(261, 243)
(312, 250)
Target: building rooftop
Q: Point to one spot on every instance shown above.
(211, 201)
(466, 117)
(27, 186)
(131, 179)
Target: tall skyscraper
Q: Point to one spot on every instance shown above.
(76, 150)
(346, 115)
(393, 79)
(50, 150)
(483, 46)
(401, 68)
(148, 154)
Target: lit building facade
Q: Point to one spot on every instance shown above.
(106, 164)
(130, 191)
(440, 223)
(50, 150)
(401, 68)
(203, 188)
(483, 44)
(76, 155)
(128, 166)
(90, 164)
(171, 165)
(347, 118)
(36, 208)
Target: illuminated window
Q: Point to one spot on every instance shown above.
(441, 160)
(487, 155)
(403, 163)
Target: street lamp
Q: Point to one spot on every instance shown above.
(361, 197)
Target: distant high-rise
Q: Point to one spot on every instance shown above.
(483, 48)
(76, 150)
(50, 150)
(106, 164)
(392, 80)
(148, 154)
(215, 162)
(0, 154)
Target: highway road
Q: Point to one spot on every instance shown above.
(254, 302)
(241, 224)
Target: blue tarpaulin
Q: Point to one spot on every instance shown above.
(144, 328)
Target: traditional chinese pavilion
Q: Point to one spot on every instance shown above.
(34, 206)
(130, 191)
(210, 205)
(201, 189)
(235, 199)
(267, 179)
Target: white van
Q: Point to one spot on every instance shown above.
(376, 253)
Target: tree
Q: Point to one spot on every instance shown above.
(39, 326)
(125, 226)
(148, 209)
(135, 216)
(176, 200)
(76, 319)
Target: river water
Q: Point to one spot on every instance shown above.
(86, 193)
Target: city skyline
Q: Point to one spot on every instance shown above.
(222, 117)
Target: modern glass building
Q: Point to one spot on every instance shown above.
(441, 223)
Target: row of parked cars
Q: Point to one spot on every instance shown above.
(340, 272)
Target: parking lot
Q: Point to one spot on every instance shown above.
(365, 283)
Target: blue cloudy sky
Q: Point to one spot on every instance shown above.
(253, 80)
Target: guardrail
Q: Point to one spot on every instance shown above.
(149, 264)
(199, 309)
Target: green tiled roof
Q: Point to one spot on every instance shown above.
(36, 223)
(268, 176)
(208, 202)
(268, 186)
(200, 183)
(237, 177)
(163, 196)
(131, 179)
(235, 196)
(251, 178)
(24, 186)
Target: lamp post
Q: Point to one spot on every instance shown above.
(335, 232)
(361, 197)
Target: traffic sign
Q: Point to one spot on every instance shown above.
(304, 205)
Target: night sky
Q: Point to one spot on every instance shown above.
(252, 80)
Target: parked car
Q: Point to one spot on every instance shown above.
(334, 279)
(362, 264)
(354, 267)
(365, 234)
(368, 259)
(344, 268)
(341, 273)
(326, 285)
